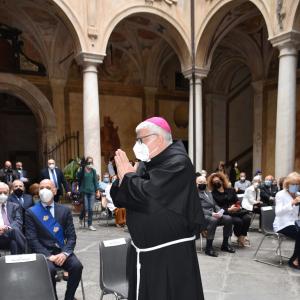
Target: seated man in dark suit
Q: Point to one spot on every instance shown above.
(213, 217)
(11, 236)
(57, 176)
(50, 231)
(268, 191)
(18, 195)
(7, 174)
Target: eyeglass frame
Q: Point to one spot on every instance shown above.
(140, 139)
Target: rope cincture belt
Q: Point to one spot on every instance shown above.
(138, 251)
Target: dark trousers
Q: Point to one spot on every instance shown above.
(13, 240)
(74, 267)
(212, 224)
(241, 224)
(292, 232)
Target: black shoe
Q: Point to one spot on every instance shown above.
(227, 248)
(291, 264)
(211, 252)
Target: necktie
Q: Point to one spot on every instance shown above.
(54, 178)
(4, 215)
(21, 200)
(48, 207)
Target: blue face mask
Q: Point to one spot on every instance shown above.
(268, 182)
(106, 179)
(293, 188)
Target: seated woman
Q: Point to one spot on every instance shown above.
(251, 200)
(214, 217)
(227, 199)
(286, 211)
(120, 213)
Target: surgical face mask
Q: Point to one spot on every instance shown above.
(256, 185)
(217, 184)
(106, 179)
(3, 198)
(141, 151)
(243, 178)
(18, 192)
(51, 166)
(268, 182)
(202, 186)
(46, 195)
(293, 188)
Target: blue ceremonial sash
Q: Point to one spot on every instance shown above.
(49, 223)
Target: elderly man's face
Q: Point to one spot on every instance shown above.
(19, 165)
(7, 165)
(201, 180)
(4, 190)
(18, 184)
(48, 184)
(51, 162)
(154, 142)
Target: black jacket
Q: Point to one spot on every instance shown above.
(61, 181)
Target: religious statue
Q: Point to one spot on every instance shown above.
(110, 141)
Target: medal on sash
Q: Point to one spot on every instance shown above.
(45, 218)
(55, 229)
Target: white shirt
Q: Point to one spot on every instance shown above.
(286, 213)
(51, 209)
(1, 219)
(110, 203)
(251, 196)
(51, 175)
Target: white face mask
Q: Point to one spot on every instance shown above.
(3, 198)
(256, 185)
(141, 151)
(52, 166)
(46, 195)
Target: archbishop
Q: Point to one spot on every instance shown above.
(164, 215)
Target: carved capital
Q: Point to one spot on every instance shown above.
(169, 2)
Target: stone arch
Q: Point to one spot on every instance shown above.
(72, 23)
(36, 101)
(177, 37)
(206, 42)
(295, 16)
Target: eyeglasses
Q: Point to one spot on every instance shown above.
(140, 139)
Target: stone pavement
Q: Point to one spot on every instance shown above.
(229, 276)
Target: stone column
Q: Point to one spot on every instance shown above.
(58, 100)
(198, 142)
(150, 93)
(286, 103)
(91, 109)
(257, 124)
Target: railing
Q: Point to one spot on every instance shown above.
(64, 150)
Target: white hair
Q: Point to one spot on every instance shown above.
(155, 129)
(4, 185)
(256, 179)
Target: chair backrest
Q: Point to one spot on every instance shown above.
(267, 219)
(113, 262)
(25, 277)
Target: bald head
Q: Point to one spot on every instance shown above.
(4, 188)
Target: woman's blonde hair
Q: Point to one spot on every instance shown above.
(292, 178)
(222, 178)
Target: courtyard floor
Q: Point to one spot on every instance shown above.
(229, 276)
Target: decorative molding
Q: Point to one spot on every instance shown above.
(288, 38)
(169, 2)
(280, 14)
(199, 73)
(90, 58)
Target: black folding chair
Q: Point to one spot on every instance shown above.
(25, 277)
(267, 219)
(113, 259)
